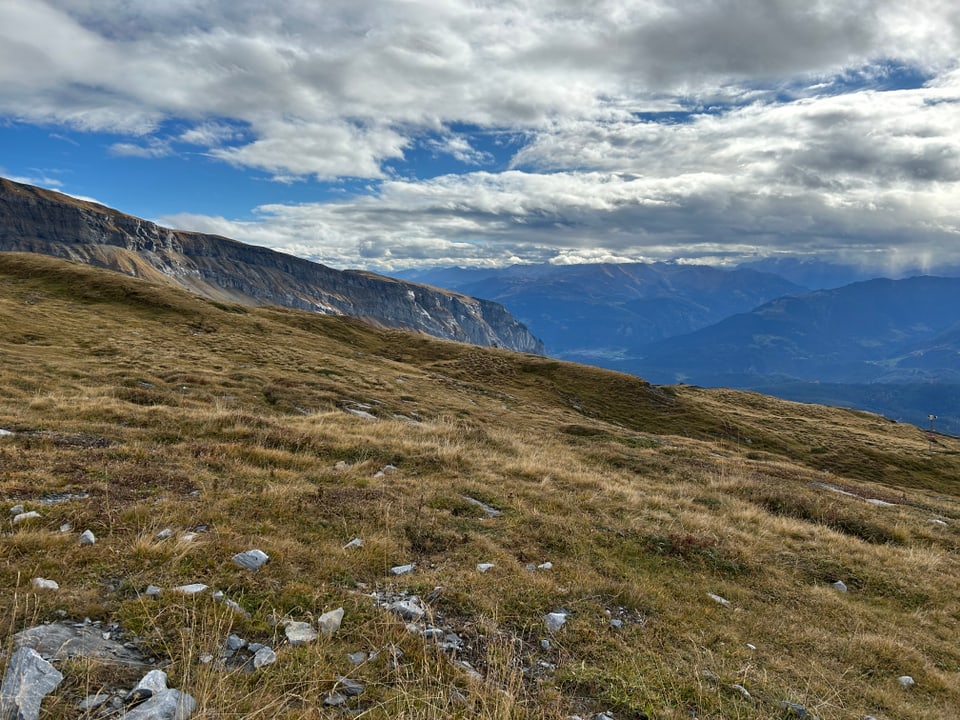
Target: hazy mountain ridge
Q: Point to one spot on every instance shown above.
(42, 221)
(613, 310)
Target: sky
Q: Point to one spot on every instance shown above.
(389, 134)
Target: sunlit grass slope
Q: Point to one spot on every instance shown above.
(154, 409)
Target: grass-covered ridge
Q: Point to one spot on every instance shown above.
(157, 409)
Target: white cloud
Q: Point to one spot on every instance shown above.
(783, 153)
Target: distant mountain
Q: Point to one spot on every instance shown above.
(846, 346)
(41, 221)
(600, 313)
(823, 275)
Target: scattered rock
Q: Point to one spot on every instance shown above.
(402, 569)
(300, 633)
(938, 521)
(153, 591)
(87, 538)
(355, 543)
(490, 512)
(409, 609)
(555, 620)
(357, 658)
(751, 646)
(92, 702)
(163, 703)
(742, 690)
(25, 516)
(719, 600)
(40, 583)
(235, 642)
(796, 710)
(28, 680)
(545, 645)
(484, 567)
(710, 677)
(350, 688)
(907, 681)
(616, 623)
(263, 657)
(335, 699)
(840, 586)
(545, 566)
(251, 559)
(5, 433)
(66, 527)
(61, 641)
(164, 534)
(360, 413)
(17, 509)
(191, 589)
(188, 537)
(329, 622)
(880, 503)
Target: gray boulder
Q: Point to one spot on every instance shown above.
(28, 680)
(163, 703)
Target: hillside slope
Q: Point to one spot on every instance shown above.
(43, 221)
(689, 539)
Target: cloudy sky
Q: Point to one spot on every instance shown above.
(395, 133)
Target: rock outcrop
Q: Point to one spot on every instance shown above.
(42, 221)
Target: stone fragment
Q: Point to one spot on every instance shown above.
(61, 641)
(402, 569)
(616, 623)
(907, 681)
(92, 702)
(191, 589)
(484, 567)
(251, 559)
(163, 703)
(545, 644)
(153, 591)
(355, 543)
(742, 690)
(719, 600)
(409, 609)
(164, 534)
(335, 699)
(40, 583)
(490, 512)
(5, 433)
(350, 688)
(17, 509)
(796, 710)
(28, 680)
(235, 642)
(299, 633)
(66, 527)
(25, 516)
(554, 621)
(329, 622)
(357, 658)
(935, 521)
(545, 566)
(840, 586)
(263, 657)
(87, 538)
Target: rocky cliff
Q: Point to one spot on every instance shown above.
(36, 220)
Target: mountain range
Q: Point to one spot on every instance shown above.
(42, 221)
(883, 345)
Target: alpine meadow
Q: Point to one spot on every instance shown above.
(507, 536)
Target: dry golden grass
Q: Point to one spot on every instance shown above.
(153, 409)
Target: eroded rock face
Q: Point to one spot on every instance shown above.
(42, 221)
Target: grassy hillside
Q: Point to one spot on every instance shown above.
(138, 408)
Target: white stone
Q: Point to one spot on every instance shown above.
(409, 609)
(152, 591)
(88, 538)
(251, 559)
(164, 534)
(299, 633)
(191, 589)
(906, 681)
(24, 516)
(17, 509)
(484, 567)
(329, 622)
(840, 586)
(879, 503)
(545, 566)
(554, 621)
(402, 569)
(719, 600)
(741, 689)
(355, 543)
(66, 527)
(40, 583)
(938, 521)
(263, 657)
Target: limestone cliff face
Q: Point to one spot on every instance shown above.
(42, 221)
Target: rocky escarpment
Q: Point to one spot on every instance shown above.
(41, 221)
